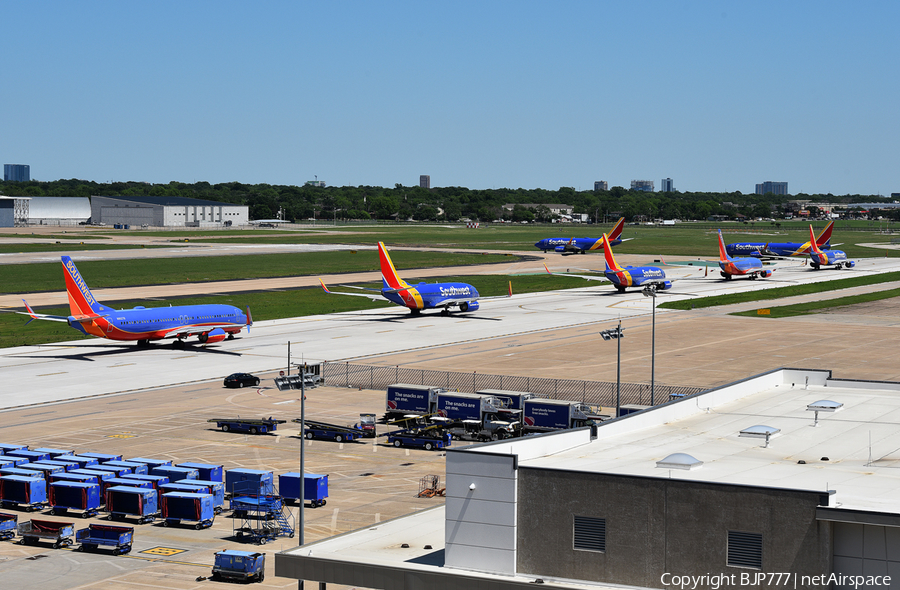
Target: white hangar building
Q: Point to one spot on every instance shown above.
(789, 473)
(166, 212)
(58, 210)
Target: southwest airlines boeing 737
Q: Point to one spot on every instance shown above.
(819, 257)
(630, 276)
(441, 296)
(780, 250)
(744, 266)
(582, 245)
(210, 322)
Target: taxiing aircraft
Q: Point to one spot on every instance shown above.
(441, 296)
(630, 276)
(743, 266)
(819, 257)
(780, 250)
(210, 322)
(582, 245)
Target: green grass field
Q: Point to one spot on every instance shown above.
(787, 311)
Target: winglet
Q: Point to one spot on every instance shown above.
(324, 288)
(249, 317)
(510, 289)
(547, 269)
(30, 312)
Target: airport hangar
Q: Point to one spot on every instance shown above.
(789, 471)
(166, 212)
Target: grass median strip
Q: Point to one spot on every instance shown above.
(787, 311)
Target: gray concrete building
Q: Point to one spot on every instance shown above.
(166, 212)
(789, 472)
(62, 211)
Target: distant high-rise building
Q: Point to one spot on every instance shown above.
(601, 185)
(642, 185)
(17, 172)
(666, 185)
(776, 188)
(425, 181)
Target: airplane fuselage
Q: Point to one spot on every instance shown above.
(760, 249)
(638, 276)
(156, 323)
(435, 295)
(835, 258)
(572, 244)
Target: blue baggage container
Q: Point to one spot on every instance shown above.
(239, 565)
(80, 477)
(207, 472)
(315, 488)
(122, 481)
(83, 461)
(99, 474)
(122, 501)
(67, 465)
(249, 481)
(28, 491)
(102, 457)
(151, 463)
(216, 488)
(8, 524)
(70, 495)
(167, 488)
(120, 537)
(135, 467)
(19, 471)
(5, 448)
(54, 452)
(176, 473)
(117, 471)
(30, 455)
(156, 480)
(44, 470)
(6, 461)
(178, 506)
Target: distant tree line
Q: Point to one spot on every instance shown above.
(450, 203)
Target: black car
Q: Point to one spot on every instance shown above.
(241, 380)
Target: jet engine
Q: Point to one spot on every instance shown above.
(213, 336)
(469, 306)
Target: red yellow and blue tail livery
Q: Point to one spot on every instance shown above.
(441, 296)
(210, 323)
(819, 257)
(629, 276)
(782, 249)
(743, 266)
(582, 245)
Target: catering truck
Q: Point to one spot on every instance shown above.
(404, 399)
(470, 416)
(544, 415)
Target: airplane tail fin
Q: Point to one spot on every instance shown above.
(825, 236)
(250, 317)
(388, 272)
(611, 263)
(616, 231)
(723, 255)
(813, 246)
(81, 300)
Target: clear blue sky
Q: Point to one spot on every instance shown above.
(718, 96)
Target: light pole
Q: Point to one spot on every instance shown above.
(618, 333)
(650, 291)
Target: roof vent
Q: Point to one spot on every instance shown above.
(680, 461)
(760, 431)
(823, 405)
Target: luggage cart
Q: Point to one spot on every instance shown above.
(120, 537)
(59, 533)
(325, 431)
(8, 524)
(251, 425)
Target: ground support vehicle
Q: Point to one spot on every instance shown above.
(404, 399)
(216, 488)
(510, 400)
(8, 524)
(546, 415)
(239, 565)
(85, 462)
(73, 495)
(151, 463)
(124, 501)
(261, 516)
(176, 473)
(102, 457)
(155, 480)
(5, 448)
(179, 506)
(315, 488)
(471, 416)
(206, 471)
(367, 425)
(29, 491)
(59, 533)
(55, 452)
(428, 438)
(325, 431)
(120, 537)
(251, 425)
(30, 455)
(136, 467)
(243, 481)
(126, 481)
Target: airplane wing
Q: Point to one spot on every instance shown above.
(80, 318)
(185, 331)
(372, 296)
(586, 277)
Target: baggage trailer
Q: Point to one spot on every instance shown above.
(85, 462)
(207, 471)
(315, 488)
(155, 480)
(325, 431)
(103, 457)
(244, 481)
(120, 537)
(176, 473)
(74, 477)
(5, 448)
(98, 473)
(134, 466)
(116, 471)
(6, 461)
(73, 495)
(124, 501)
(239, 565)
(127, 482)
(30, 455)
(67, 465)
(216, 488)
(151, 463)
(8, 524)
(428, 439)
(42, 470)
(29, 491)
(55, 452)
(251, 425)
(59, 533)
(180, 506)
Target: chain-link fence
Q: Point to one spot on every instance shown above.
(588, 392)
